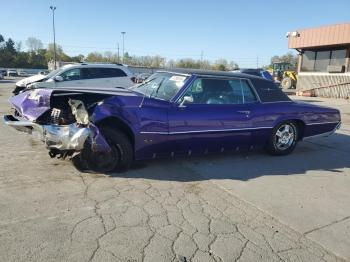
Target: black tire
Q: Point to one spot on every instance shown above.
(118, 159)
(283, 139)
(286, 83)
(80, 163)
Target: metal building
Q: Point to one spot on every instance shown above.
(324, 57)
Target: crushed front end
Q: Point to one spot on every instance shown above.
(59, 119)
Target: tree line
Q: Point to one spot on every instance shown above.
(12, 55)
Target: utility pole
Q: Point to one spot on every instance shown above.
(201, 59)
(118, 54)
(123, 34)
(53, 8)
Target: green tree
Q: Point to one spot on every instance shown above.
(94, 57)
(286, 58)
(10, 46)
(7, 53)
(60, 55)
(188, 63)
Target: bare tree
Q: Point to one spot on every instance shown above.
(34, 44)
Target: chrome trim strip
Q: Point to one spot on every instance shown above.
(223, 130)
(323, 123)
(204, 131)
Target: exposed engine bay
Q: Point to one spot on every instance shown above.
(65, 127)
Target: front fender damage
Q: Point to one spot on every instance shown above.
(76, 136)
(65, 140)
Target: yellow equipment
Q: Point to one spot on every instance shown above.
(283, 73)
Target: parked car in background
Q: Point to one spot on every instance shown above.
(44, 72)
(1, 76)
(3, 72)
(80, 75)
(177, 113)
(140, 78)
(22, 73)
(12, 72)
(257, 72)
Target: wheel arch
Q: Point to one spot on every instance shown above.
(300, 125)
(119, 124)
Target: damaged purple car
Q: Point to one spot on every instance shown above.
(183, 112)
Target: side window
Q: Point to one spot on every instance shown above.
(105, 73)
(249, 95)
(91, 73)
(237, 93)
(115, 72)
(220, 91)
(71, 75)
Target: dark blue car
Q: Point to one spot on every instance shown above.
(256, 72)
(177, 113)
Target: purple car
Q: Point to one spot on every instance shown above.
(177, 113)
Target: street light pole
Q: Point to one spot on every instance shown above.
(118, 54)
(123, 34)
(53, 8)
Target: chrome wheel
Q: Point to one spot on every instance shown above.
(285, 136)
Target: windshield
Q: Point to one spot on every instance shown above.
(52, 73)
(162, 85)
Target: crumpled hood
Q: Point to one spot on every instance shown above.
(32, 79)
(32, 104)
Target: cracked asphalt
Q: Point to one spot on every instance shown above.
(166, 210)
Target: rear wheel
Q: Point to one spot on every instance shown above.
(119, 158)
(283, 139)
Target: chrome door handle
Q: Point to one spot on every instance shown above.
(244, 112)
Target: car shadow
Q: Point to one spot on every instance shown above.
(323, 154)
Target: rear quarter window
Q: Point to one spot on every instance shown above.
(268, 91)
(93, 73)
(114, 72)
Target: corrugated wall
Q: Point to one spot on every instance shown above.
(325, 85)
(321, 36)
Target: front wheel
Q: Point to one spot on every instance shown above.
(283, 139)
(119, 158)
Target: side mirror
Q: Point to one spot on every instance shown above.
(186, 100)
(58, 78)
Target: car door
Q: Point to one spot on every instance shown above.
(218, 118)
(71, 78)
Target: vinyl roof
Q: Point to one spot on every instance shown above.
(201, 72)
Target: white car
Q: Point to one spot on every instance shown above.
(82, 75)
(11, 72)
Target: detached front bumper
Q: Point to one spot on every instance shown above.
(60, 137)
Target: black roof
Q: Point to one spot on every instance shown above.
(202, 72)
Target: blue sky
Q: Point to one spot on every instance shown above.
(236, 30)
